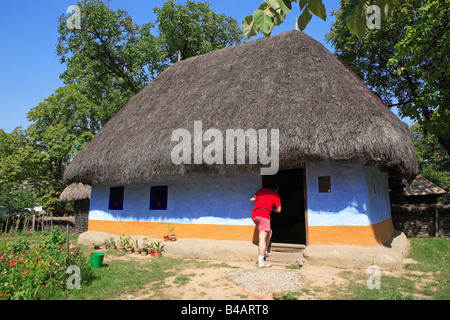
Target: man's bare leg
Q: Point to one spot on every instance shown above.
(262, 242)
(268, 237)
(263, 235)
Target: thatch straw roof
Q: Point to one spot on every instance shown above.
(421, 186)
(76, 191)
(288, 82)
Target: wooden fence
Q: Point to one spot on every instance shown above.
(44, 221)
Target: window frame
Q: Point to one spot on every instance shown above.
(324, 184)
(116, 194)
(162, 197)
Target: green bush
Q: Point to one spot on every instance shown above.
(34, 272)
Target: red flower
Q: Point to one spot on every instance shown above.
(25, 272)
(37, 257)
(61, 246)
(21, 260)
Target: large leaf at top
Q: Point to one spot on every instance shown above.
(264, 21)
(249, 27)
(285, 5)
(302, 3)
(318, 9)
(304, 19)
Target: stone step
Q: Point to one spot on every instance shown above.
(287, 247)
(286, 258)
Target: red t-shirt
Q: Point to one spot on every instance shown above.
(265, 198)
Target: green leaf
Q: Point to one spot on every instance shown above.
(302, 3)
(263, 21)
(304, 19)
(318, 9)
(249, 27)
(285, 5)
(273, 4)
(356, 26)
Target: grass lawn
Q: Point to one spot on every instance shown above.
(426, 277)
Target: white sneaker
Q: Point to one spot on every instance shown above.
(264, 265)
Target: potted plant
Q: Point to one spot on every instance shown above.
(112, 243)
(105, 244)
(172, 235)
(145, 247)
(136, 247)
(158, 248)
(122, 244)
(151, 248)
(129, 245)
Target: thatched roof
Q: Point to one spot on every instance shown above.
(421, 186)
(288, 82)
(76, 191)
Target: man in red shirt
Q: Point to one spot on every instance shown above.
(266, 200)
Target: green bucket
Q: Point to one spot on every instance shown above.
(97, 260)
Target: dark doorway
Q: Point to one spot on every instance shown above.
(289, 225)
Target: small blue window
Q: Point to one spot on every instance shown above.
(158, 198)
(116, 198)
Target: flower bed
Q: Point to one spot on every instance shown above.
(33, 272)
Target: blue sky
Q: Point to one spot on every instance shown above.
(29, 65)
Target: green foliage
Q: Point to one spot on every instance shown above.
(272, 13)
(31, 272)
(422, 53)
(110, 51)
(433, 160)
(357, 13)
(54, 240)
(405, 62)
(15, 183)
(107, 62)
(193, 29)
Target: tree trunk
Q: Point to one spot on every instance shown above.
(445, 143)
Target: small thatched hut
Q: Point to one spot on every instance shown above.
(422, 190)
(81, 195)
(338, 143)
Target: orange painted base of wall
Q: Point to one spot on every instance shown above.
(373, 235)
(181, 230)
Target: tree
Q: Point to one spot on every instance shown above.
(272, 13)
(110, 55)
(16, 186)
(113, 57)
(433, 160)
(61, 126)
(194, 29)
(405, 62)
(109, 59)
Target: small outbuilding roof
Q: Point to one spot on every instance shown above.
(290, 82)
(421, 186)
(76, 191)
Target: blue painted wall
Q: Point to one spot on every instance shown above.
(198, 198)
(359, 195)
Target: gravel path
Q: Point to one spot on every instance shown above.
(264, 280)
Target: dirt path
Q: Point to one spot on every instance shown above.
(211, 281)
